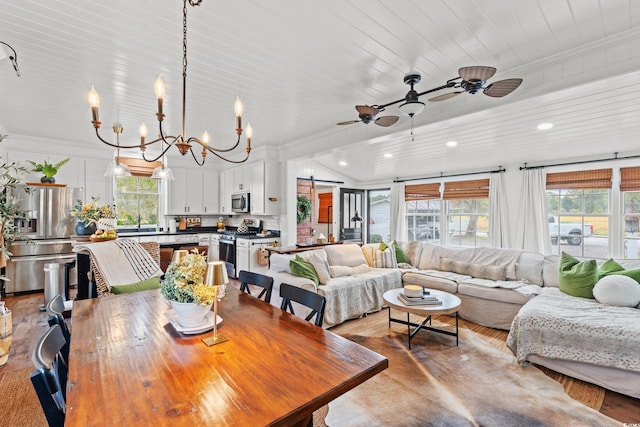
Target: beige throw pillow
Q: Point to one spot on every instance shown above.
(489, 272)
(321, 267)
(454, 266)
(384, 259)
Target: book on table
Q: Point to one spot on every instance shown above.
(419, 301)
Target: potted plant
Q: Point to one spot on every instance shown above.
(48, 170)
(88, 215)
(10, 174)
(183, 286)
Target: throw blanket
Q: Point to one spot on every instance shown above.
(121, 261)
(559, 326)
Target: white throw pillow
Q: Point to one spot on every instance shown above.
(322, 268)
(347, 254)
(618, 290)
(280, 263)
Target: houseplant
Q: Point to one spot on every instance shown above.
(10, 174)
(88, 215)
(48, 169)
(183, 286)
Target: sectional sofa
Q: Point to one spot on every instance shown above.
(499, 288)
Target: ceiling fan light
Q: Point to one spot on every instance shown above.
(412, 108)
(476, 73)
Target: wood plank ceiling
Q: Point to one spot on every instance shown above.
(302, 66)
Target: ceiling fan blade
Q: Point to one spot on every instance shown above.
(348, 122)
(502, 87)
(444, 96)
(386, 121)
(476, 73)
(367, 110)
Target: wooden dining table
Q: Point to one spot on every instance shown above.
(129, 366)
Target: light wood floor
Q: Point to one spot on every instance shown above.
(30, 323)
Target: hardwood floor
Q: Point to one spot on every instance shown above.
(29, 323)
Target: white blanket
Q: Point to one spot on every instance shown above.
(558, 326)
(121, 261)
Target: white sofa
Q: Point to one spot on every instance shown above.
(350, 286)
(579, 337)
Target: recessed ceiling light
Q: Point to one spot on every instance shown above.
(545, 126)
(342, 163)
(451, 143)
(388, 155)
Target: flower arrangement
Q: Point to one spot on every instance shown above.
(184, 281)
(90, 212)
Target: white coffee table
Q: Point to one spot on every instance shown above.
(450, 304)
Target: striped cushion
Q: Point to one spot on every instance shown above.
(384, 259)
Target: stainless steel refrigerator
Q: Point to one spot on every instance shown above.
(46, 235)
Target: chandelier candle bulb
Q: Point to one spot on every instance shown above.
(143, 132)
(159, 88)
(238, 108)
(94, 102)
(249, 135)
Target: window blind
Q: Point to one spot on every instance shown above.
(629, 179)
(474, 189)
(580, 180)
(422, 191)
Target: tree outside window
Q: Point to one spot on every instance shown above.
(137, 201)
(470, 222)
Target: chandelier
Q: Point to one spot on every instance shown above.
(182, 142)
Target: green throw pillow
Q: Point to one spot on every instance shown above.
(383, 246)
(400, 255)
(634, 274)
(609, 267)
(145, 285)
(577, 278)
(302, 268)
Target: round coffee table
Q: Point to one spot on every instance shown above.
(450, 304)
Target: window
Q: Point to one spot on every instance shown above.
(630, 189)
(379, 215)
(423, 207)
(467, 212)
(137, 201)
(578, 207)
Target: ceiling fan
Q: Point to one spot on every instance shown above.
(470, 79)
(473, 80)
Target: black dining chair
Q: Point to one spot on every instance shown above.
(50, 377)
(55, 310)
(312, 300)
(265, 282)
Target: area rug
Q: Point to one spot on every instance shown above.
(20, 404)
(440, 384)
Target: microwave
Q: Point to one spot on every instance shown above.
(240, 202)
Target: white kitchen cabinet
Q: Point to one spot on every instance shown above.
(210, 194)
(265, 192)
(226, 190)
(243, 253)
(214, 247)
(194, 191)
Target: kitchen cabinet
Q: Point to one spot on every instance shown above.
(243, 252)
(265, 188)
(194, 191)
(214, 247)
(247, 253)
(226, 190)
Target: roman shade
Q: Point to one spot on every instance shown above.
(422, 191)
(139, 167)
(629, 179)
(579, 180)
(459, 190)
(325, 208)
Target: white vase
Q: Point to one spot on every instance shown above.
(190, 315)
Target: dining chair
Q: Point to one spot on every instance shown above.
(312, 300)
(50, 377)
(265, 282)
(55, 309)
